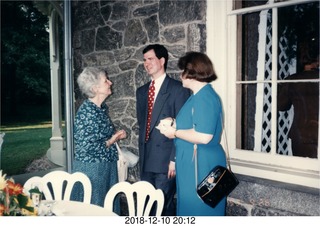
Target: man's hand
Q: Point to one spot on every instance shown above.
(172, 170)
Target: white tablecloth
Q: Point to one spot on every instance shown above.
(74, 208)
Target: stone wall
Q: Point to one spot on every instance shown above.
(259, 197)
(112, 34)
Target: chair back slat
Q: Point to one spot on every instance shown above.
(141, 196)
(58, 185)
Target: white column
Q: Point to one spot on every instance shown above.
(56, 152)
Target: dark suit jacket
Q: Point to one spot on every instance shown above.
(304, 96)
(159, 150)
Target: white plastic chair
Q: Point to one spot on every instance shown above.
(57, 185)
(141, 196)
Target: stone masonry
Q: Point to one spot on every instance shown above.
(112, 34)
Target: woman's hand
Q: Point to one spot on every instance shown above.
(119, 135)
(167, 130)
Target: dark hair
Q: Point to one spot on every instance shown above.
(309, 51)
(198, 66)
(160, 52)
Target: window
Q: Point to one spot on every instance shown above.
(267, 43)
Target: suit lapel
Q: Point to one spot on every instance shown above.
(159, 102)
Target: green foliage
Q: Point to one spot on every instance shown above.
(300, 25)
(21, 146)
(23, 202)
(26, 114)
(25, 72)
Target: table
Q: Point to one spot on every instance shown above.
(75, 208)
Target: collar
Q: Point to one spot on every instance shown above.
(158, 82)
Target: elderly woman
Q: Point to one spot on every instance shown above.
(94, 136)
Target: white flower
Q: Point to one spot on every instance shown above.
(3, 181)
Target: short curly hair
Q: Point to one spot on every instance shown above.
(89, 77)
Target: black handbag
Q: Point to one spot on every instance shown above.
(218, 183)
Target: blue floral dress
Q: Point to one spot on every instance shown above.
(92, 128)
(202, 111)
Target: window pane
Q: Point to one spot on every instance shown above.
(298, 100)
(239, 4)
(255, 125)
(256, 66)
(298, 46)
(256, 35)
(298, 106)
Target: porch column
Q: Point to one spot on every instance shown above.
(56, 152)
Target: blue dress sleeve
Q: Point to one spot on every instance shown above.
(207, 112)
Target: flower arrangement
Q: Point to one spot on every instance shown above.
(13, 202)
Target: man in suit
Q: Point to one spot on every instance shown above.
(304, 97)
(157, 152)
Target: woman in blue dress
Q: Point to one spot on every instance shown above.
(95, 151)
(198, 122)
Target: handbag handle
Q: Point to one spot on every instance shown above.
(196, 157)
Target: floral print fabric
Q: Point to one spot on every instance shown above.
(93, 127)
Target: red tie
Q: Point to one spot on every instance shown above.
(150, 106)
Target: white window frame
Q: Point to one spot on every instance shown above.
(222, 49)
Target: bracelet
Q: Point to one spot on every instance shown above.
(175, 134)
